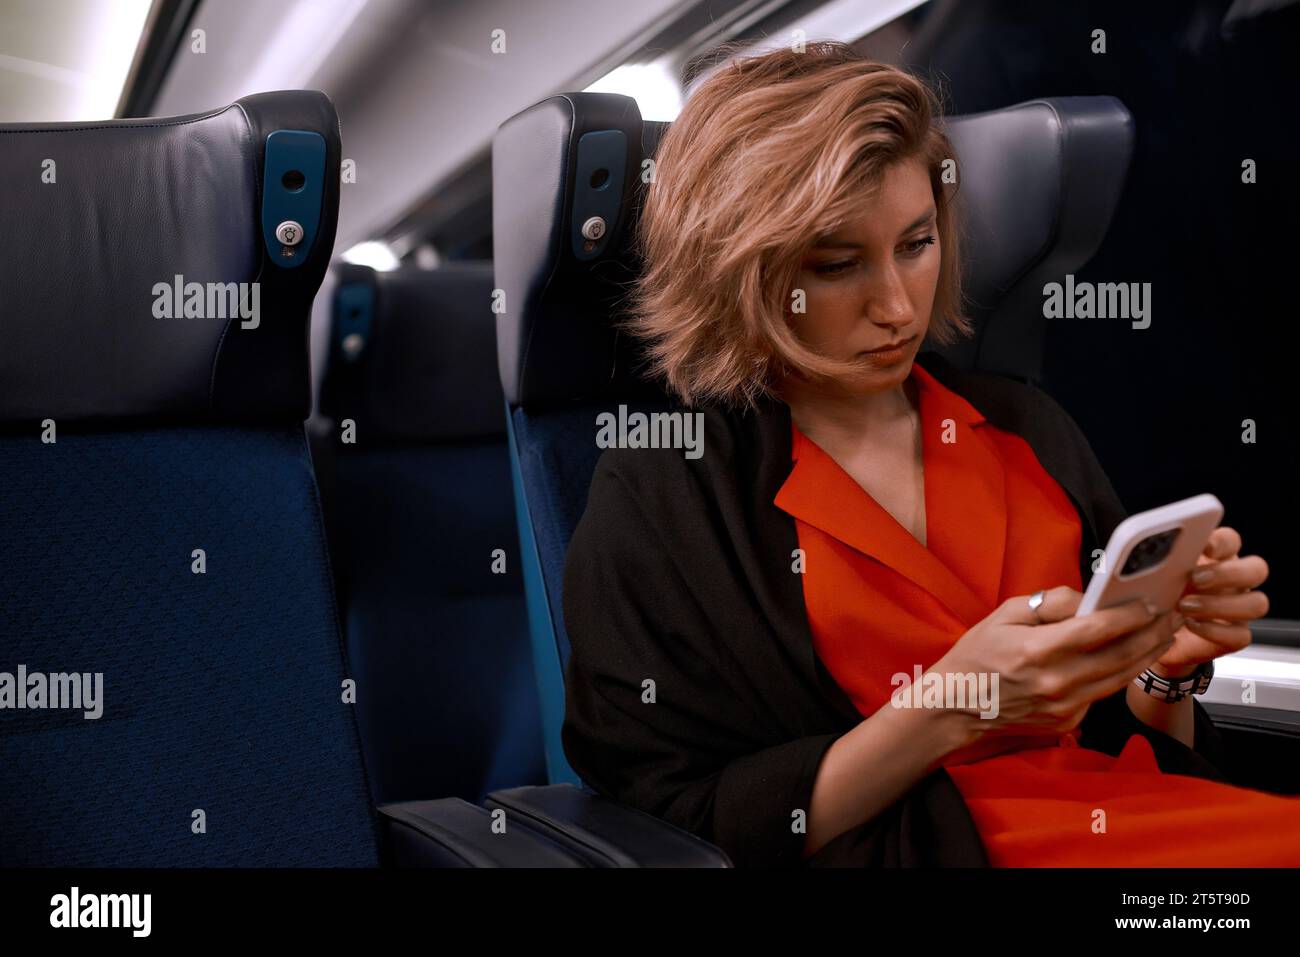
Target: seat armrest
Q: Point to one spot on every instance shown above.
(602, 832)
(1262, 746)
(454, 833)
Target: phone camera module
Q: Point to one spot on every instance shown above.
(1149, 552)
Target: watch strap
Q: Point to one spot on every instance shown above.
(1172, 690)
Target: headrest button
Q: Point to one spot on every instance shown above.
(353, 343)
(289, 233)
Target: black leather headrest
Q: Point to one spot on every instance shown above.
(101, 218)
(1039, 183)
(413, 354)
(555, 341)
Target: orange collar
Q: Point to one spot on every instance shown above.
(965, 505)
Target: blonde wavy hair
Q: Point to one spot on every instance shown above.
(769, 153)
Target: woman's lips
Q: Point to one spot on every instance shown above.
(889, 354)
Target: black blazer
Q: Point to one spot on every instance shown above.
(679, 573)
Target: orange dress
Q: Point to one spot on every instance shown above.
(881, 604)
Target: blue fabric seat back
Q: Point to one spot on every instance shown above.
(561, 361)
(160, 520)
(436, 625)
(222, 692)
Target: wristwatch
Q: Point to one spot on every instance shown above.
(1172, 690)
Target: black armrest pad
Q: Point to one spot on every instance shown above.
(602, 832)
(454, 833)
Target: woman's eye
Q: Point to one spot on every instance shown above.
(833, 269)
(915, 247)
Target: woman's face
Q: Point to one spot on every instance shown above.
(871, 283)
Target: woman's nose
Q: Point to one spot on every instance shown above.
(887, 302)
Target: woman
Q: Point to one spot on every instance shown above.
(739, 622)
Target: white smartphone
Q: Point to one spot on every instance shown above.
(1151, 554)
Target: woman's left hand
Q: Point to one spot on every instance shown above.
(1218, 605)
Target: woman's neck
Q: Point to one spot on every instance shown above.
(841, 419)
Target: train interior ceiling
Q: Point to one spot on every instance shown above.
(421, 88)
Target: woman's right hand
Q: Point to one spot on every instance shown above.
(1051, 665)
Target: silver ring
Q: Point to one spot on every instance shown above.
(1035, 602)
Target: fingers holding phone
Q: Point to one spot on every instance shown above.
(1097, 654)
(1052, 664)
(1221, 598)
